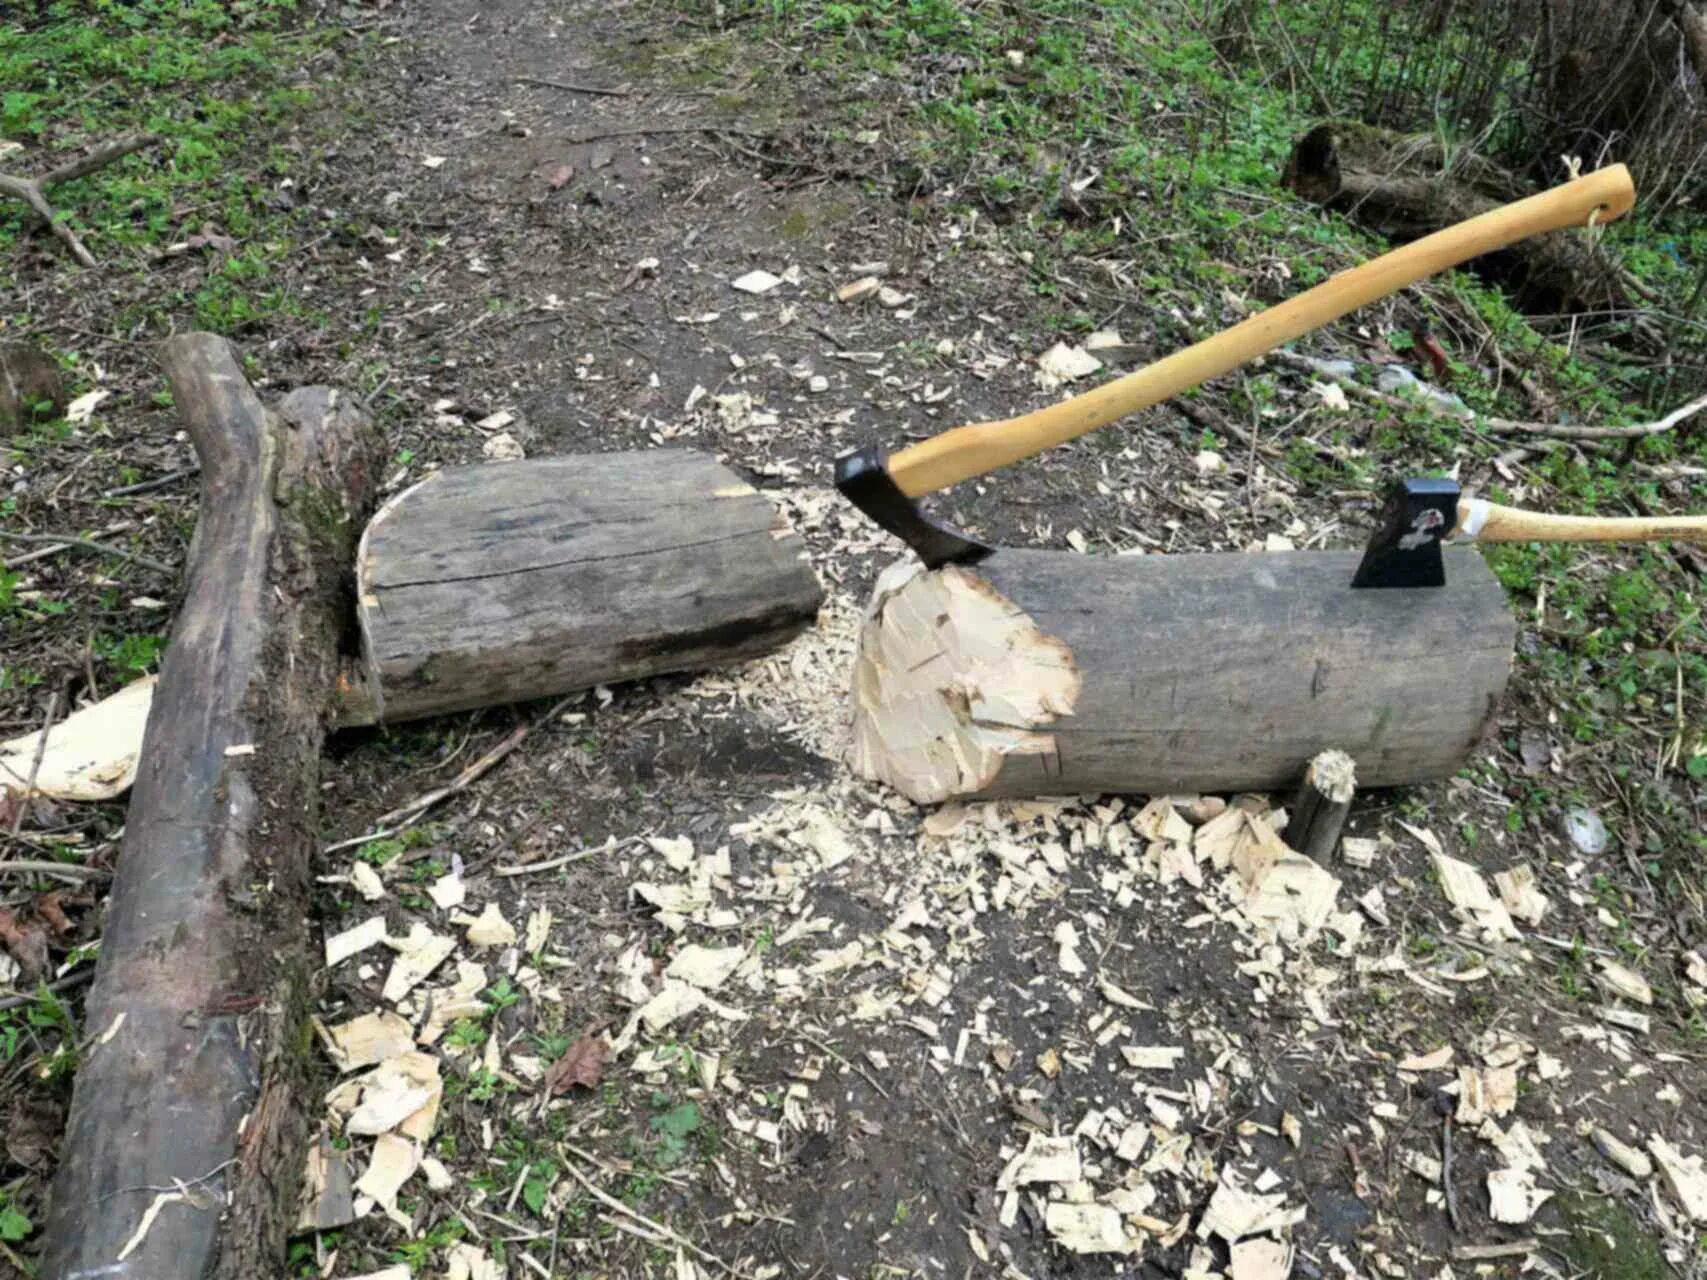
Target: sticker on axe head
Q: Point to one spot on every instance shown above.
(1422, 530)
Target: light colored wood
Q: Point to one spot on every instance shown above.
(510, 581)
(1509, 524)
(964, 452)
(1047, 673)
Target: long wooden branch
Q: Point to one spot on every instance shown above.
(201, 987)
(32, 191)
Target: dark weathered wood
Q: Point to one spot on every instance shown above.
(1323, 804)
(1198, 673)
(28, 377)
(509, 581)
(195, 1018)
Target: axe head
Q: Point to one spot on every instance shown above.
(864, 479)
(1405, 549)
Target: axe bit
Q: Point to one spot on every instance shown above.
(886, 486)
(1419, 515)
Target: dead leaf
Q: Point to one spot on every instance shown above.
(51, 908)
(26, 942)
(583, 1063)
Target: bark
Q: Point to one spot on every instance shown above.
(1048, 673)
(505, 582)
(195, 1055)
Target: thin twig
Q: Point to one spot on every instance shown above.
(641, 130)
(851, 1066)
(580, 855)
(1446, 1173)
(74, 979)
(88, 544)
(146, 486)
(35, 765)
(99, 158)
(611, 1202)
(573, 88)
(38, 867)
(1488, 1252)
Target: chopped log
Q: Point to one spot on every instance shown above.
(1405, 187)
(1048, 673)
(29, 378)
(196, 1016)
(510, 581)
(1323, 804)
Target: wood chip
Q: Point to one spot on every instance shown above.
(1152, 1057)
(855, 290)
(448, 892)
(1063, 363)
(1439, 1060)
(1513, 1196)
(1620, 1153)
(1359, 851)
(1468, 893)
(446, 1006)
(756, 282)
(1260, 1259)
(90, 755)
(1067, 940)
(366, 881)
(1484, 1092)
(490, 929)
(1621, 981)
(1683, 1176)
(367, 1040)
(1517, 890)
(327, 1198)
(707, 968)
(1046, 1160)
(354, 940)
(394, 1162)
(401, 1094)
(1234, 1212)
(418, 955)
(1088, 1228)
(467, 1262)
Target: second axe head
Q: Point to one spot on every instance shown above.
(886, 487)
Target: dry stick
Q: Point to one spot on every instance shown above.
(573, 88)
(145, 486)
(35, 765)
(1446, 1173)
(1552, 430)
(641, 130)
(580, 855)
(88, 544)
(66, 870)
(1487, 1252)
(31, 190)
(70, 980)
(611, 1202)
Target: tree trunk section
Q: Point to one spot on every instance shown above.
(1405, 187)
(1048, 673)
(1322, 805)
(509, 581)
(200, 996)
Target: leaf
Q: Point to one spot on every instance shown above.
(678, 1122)
(534, 1192)
(26, 942)
(14, 1226)
(582, 1064)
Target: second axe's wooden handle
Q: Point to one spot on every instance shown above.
(964, 452)
(1490, 522)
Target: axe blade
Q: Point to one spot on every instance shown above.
(863, 478)
(1405, 548)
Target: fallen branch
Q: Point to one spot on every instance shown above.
(59, 541)
(580, 855)
(1557, 431)
(70, 980)
(566, 87)
(65, 870)
(33, 191)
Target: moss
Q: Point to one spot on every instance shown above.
(1607, 1242)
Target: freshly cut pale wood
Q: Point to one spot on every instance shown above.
(1324, 801)
(511, 581)
(196, 1052)
(1041, 672)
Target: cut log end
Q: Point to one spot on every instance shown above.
(951, 679)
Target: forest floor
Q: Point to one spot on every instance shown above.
(718, 1007)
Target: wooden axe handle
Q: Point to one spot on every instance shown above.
(964, 452)
(1490, 522)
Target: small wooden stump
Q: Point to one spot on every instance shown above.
(1048, 673)
(1323, 804)
(195, 1022)
(510, 581)
(29, 377)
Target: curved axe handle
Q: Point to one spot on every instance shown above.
(1490, 522)
(964, 452)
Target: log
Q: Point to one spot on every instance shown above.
(195, 1022)
(510, 581)
(1406, 187)
(1048, 673)
(1323, 804)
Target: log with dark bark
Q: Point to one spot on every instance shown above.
(200, 998)
(1323, 804)
(511, 581)
(1048, 673)
(1406, 187)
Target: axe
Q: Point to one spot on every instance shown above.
(885, 486)
(1405, 550)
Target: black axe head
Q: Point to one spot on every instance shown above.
(864, 479)
(1405, 549)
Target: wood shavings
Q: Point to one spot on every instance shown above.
(1620, 1153)
(1520, 895)
(835, 959)
(1044, 1160)
(394, 1162)
(1159, 820)
(466, 1262)
(146, 1223)
(1116, 996)
(1684, 1177)
(1063, 363)
(677, 851)
(1233, 1212)
(1484, 1092)
(1260, 1259)
(449, 891)
(354, 940)
(418, 955)
(1438, 1060)
(707, 968)
(366, 881)
(1088, 1228)
(401, 1094)
(538, 931)
(1518, 1146)
(490, 929)
(1359, 852)
(1513, 1196)
(449, 1005)
(1621, 981)
(367, 1040)
(1067, 954)
(1468, 893)
(1152, 1057)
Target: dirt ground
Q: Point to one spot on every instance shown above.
(906, 1001)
